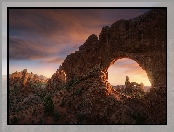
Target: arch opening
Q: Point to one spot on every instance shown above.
(120, 69)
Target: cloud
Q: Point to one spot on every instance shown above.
(71, 25)
(25, 50)
(125, 62)
(36, 34)
(53, 60)
(129, 66)
(43, 33)
(136, 70)
(59, 61)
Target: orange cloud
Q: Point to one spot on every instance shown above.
(55, 60)
(51, 30)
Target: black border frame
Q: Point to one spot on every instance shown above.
(8, 8)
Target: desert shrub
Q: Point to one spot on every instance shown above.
(32, 122)
(62, 103)
(139, 95)
(164, 121)
(15, 86)
(78, 91)
(140, 119)
(19, 109)
(75, 123)
(42, 95)
(34, 112)
(37, 85)
(56, 116)
(81, 105)
(40, 121)
(67, 87)
(70, 84)
(14, 120)
(63, 87)
(48, 105)
(74, 82)
(80, 118)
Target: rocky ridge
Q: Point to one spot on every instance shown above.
(88, 101)
(25, 90)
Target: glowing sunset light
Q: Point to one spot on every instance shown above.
(40, 39)
(126, 67)
(46, 69)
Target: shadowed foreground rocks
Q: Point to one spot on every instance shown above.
(89, 101)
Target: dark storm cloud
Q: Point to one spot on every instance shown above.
(32, 24)
(25, 50)
(44, 33)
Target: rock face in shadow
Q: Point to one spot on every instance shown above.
(142, 39)
(57, 80)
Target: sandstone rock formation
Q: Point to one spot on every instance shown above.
(131, 88)
(26, 81)
(91, 101)
(129, 84)
(142, 39)
(57, 80)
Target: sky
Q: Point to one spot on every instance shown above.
(40, 39)
(127, 67)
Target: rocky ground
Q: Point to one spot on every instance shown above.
(87, 101)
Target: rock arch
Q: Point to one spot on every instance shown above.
(142, 39)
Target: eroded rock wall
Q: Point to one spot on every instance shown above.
(142, 39)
